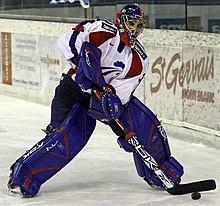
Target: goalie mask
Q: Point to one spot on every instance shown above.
(130, 21)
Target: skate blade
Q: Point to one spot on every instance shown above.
(15, 192)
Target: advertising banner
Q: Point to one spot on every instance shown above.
(26, 65)
(170, 23)
(200, 78)
(84, 3)
(6, 59)
(214, 25)
(1, 58)
(51, 63)
(194, 23)
(183, 84)
(162, 90)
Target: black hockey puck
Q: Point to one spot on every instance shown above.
(196, 195)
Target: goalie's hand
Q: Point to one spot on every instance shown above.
(105, 106)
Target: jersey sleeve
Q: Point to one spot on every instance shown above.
(95, 32)
(70, 43)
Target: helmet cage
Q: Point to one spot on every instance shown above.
(130, 21)
(133, 25)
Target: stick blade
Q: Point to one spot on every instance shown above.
(199, 186)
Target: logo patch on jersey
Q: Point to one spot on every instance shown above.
(109, 27)
(140, 51)
(119, 64)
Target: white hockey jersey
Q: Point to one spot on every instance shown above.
(122, 67)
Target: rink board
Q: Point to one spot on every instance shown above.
(181, 86)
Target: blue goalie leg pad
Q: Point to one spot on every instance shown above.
(53, 152)
(143, 122)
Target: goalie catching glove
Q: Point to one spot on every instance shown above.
(105, 106)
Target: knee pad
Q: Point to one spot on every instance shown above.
(53, 152)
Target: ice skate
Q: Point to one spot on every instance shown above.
(13, 189)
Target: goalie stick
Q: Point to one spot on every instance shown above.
(169, 186)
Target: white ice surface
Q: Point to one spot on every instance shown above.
(102, 174)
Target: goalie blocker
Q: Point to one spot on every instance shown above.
(55, 151)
